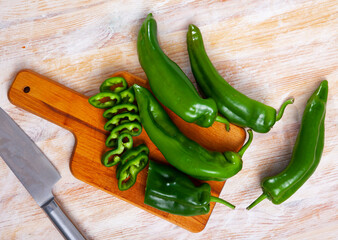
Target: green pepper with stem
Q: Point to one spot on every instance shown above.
(306, 154)
(233, 105)
(181, 152)
(172, 191)
(169, 83)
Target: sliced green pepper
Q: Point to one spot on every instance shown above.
(181, 152)
(112, 157)
(119, 119)
(127, 173)
(130, 154)
(105, 99)
(306, 153)
(172, 191)
(114, 84)
(128, 95)
(132, 128)
(120, 108)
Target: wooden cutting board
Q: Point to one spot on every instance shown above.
(71, 110)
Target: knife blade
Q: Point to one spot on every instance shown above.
(35, 172)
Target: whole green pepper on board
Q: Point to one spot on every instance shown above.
(180, 151)
(233, 105)
(169, 83)
(172, 191)
(306, 153)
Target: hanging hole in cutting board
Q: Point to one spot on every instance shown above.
(26, 89)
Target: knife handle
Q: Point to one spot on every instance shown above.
(61, 221)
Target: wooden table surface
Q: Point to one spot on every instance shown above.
(269, 50)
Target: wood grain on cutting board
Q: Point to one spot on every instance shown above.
(71, 110)
(269, 50)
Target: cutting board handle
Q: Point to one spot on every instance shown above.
(53, 101)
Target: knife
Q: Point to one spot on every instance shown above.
(35, 172)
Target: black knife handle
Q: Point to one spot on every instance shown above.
(61, 221)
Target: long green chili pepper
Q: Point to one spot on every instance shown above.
(127, 173)
(119, 119)
(169, 83)
(119, 109)
(233, 105)
(180, 151)
(114, 84)
(112, 157)
(306, 153)
(105, 99)
(172, 191)
(132, 128)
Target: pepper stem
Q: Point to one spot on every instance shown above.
(225, 121)
(258, 200)
(219, 200)
(282, 108)
(247, 144)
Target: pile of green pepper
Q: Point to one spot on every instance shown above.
(123, 123)
(169, 188)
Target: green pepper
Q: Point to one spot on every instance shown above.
(170, 190)
(119, 119)
(130, 154)
(114, 84)
(233, 105)
(105, 99)
(112, 157)
(120, 108)
(306, 153)
(128, 95)
(169, 83)
(132, 128)
(127, 173)
(180, 151)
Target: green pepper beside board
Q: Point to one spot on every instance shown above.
(306, 153)
(233, 105)
(168, 82)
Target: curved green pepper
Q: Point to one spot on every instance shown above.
(120, 108)
(180, 151)
(112, 157)
(114, 84)
(233, 105)
(170, 190)
(127, 173)
(169, 83)
(119, 119)
(306, 153)
(132, 128)
(105, 99)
